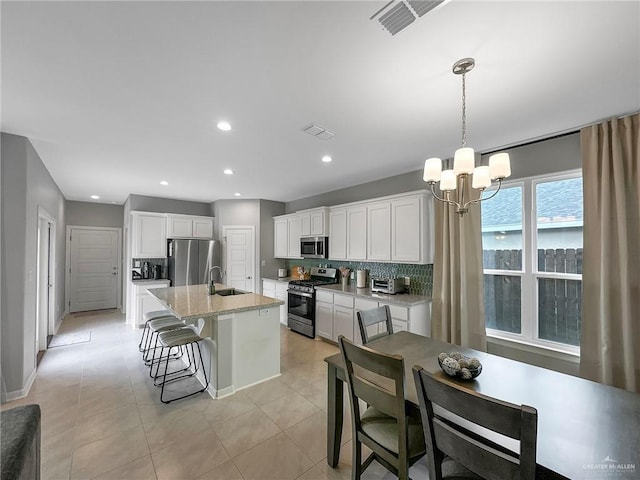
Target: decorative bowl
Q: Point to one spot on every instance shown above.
(459, 366)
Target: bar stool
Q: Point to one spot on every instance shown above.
(155, 327)
(183, 340)
(147, 317)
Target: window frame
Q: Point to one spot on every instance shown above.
(530, 275)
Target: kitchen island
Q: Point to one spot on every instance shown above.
(241, 330)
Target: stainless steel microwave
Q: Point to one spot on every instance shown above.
(314, 247)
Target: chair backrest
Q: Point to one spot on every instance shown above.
(373, 319)
(375, 378)
(471, 449)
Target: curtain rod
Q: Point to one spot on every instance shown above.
(560, 134)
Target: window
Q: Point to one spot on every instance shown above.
(532, 253)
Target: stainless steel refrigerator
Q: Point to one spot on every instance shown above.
(190, 261)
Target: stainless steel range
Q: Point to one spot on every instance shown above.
(301, 295)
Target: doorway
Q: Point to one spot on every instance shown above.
(93, 255)
(239, 254)
(45, 279)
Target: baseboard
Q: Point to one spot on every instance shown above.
(18, 394)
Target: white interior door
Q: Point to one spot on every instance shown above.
(93, 269)
(239, 256)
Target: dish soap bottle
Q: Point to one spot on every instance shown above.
(212, 288)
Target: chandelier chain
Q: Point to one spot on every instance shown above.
(464, 110)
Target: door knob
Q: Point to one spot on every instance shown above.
(248, 278)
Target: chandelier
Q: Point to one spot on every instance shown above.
(455, 180)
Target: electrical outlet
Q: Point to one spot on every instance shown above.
(263, 263)
(407, 281)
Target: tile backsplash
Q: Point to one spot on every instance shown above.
(421, 275)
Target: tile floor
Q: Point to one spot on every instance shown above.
(102, 417)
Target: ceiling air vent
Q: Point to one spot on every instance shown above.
(423, 6)
(400, 16)
(397, 18)
(319, 132)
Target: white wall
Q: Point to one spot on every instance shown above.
(26, 186)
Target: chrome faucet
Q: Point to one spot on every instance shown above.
(211, 273)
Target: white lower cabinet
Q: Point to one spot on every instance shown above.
(277, 289)
(144, 301)
(324, 320)
(336, 314)
(281, 294)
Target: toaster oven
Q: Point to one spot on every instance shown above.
(391, 286)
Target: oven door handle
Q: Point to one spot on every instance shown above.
(300, 294)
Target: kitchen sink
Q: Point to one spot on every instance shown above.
(230, 291)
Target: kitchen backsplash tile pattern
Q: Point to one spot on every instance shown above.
(421, 275)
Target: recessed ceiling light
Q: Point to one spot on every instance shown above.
(95, 197)
(237, 194)
(164, 182)
(228, 171)
(224, 126)
(327, 159)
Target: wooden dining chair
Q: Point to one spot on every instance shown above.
(372, 320)
(448, 441)
(388, 426)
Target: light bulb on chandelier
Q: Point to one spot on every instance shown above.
(464, 162)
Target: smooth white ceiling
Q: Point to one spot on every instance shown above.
(117, 96)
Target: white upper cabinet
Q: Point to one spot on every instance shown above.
(202, 227)
(286, 236)
(148, 235)
(189, 226)
(357, 233)
(407, 239)
(379, 231)
(179, 226)
(397, 228)
(281, 237)
(294, 225)
(314, 223)
(338, 234)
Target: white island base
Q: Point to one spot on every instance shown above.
(241, 334)
(243, 348)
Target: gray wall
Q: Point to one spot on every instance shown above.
(406, 182)
(144, 203)
(240, 212)
(26, 185)
(258, 213)
(269, 264)
(544, 157)
(87, 214)
(547, 156)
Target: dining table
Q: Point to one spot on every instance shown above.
(586, 430)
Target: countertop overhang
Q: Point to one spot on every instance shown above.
(194, 301)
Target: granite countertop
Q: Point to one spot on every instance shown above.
(194, 301)
(280, 279)
(404, 299)
(142, 281)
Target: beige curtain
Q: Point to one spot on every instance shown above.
(610, 345)
(458, 302)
